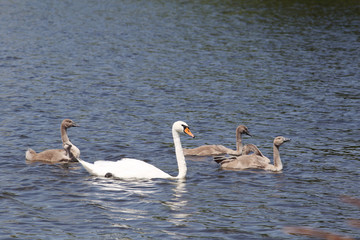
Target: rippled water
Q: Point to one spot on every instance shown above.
(126, 70)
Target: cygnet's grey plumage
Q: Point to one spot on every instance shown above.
(57, 155)
(255, 160)
(210, 150)
(248, 148)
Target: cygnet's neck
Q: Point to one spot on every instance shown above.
(277, 161)
(179, 155)
(239, 145)
(64, 136)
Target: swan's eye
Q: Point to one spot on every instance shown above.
(184, 127)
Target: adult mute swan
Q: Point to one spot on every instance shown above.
(209, 150)
(57, 155)
(133, 168)
(255, 160)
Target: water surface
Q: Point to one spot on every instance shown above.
(126, 70)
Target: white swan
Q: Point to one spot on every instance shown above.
(209, 150)
(57, 155)
(133, 168)
(255, 160)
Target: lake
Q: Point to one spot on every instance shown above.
(126, 70)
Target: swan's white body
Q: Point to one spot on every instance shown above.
(133, 168)
(124, 168)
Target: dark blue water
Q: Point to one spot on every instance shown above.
(126, 70)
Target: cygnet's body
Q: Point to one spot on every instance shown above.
(212, 150)
(57, 155)
(255, 160)
(248, 148)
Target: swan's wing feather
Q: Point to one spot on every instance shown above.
(129, 168)
(223, 159)
(248, 148)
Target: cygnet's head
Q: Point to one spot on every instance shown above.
(280, 140)
(67, 123)
(182, 127)
(242, 129)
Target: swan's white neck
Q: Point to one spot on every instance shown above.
(179, 155)
(277, 161)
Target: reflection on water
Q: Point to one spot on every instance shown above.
(177, 204)
(129, 187)
(112, 192)
(318, 233)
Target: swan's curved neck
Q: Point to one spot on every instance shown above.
(64, 136)
(277, 161)
(239, 145)
(179, 155)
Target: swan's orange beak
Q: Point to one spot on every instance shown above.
(188, 132)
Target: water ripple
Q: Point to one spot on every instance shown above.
(125, 70)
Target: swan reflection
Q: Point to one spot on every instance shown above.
(117, 198)
(143, 188)
(177, 204)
